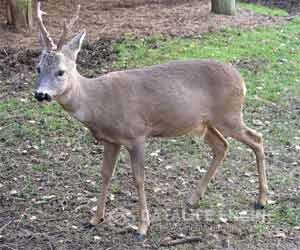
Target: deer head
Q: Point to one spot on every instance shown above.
(57, 66)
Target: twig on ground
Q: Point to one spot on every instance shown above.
(289, 18)
(7, 246)
(3, 227)
(167, 243)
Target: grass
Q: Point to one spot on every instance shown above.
(272, 52)
(260, 229)
(28, 119)
(262, 9)
(286, 213)
(40, 168)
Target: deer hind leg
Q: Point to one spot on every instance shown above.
(254, 140)
(111, 152)
(219, 147)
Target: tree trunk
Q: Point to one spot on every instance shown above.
(225, 7)
(19, 14)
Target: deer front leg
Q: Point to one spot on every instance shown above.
(111, 152)
(137, 155)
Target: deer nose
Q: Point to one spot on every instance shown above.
(42, 96)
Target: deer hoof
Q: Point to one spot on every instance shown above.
(140, 237)
(95, 221)
(259, 205)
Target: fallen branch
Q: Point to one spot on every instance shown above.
(168, 242)
(3, 227)
(289, 18)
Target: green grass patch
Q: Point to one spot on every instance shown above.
(262, 9)
(34, 122)
(40, 168)
(271, 55)
(285, 213)
(29, 189)
(260, 229)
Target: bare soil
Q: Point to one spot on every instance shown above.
(187, 19)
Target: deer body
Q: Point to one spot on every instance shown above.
(164, 100)
(203, 97)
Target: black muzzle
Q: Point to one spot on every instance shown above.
(42, 97)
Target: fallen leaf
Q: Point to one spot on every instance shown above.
(94, 199)
(13, 192)
(223, 220)
(219, 204)
(230, 180)
(169, 167)
(271, 202)
(24, 152)
(244, 212)
(112, 197)
(258, 122)
(280, 235)
(201, 170)
(155, 153)
(32, 218)
(297, 147)
(248, 174)
(48, 197)
(181, 235)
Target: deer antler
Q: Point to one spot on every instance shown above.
(44, 33)
(67, 28)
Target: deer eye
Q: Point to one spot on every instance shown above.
(60, 73)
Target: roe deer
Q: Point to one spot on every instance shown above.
(202, 97)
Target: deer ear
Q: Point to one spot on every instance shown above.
(73, 47)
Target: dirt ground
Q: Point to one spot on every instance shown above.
(46, 207)
(180, 19)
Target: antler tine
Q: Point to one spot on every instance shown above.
(68, 27)
(44, 33)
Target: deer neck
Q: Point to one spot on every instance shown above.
(78, 99)
(72, 98)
